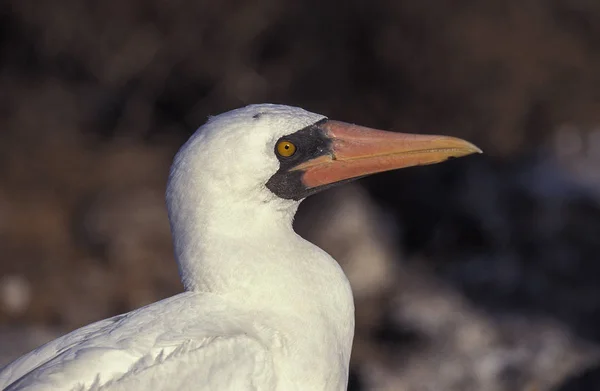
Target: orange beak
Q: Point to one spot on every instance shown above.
(358, 151)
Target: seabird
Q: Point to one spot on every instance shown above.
(263, 309)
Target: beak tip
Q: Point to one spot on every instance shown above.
(471, 148)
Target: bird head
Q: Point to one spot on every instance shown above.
(272, 152)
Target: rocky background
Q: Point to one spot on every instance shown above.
(479, 274)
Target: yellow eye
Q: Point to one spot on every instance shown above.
(286, 148)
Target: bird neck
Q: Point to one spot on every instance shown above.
(252, 257)
(230, 248)
(217, 240)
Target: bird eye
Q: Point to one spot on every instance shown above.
(286, 148)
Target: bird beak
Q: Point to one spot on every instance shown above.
(357, 151)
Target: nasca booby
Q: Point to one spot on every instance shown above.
(263, 309)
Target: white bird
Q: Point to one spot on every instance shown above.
(263, 309)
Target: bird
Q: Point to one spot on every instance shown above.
(262, 308)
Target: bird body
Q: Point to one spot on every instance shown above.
(232, 348)
(263, 309)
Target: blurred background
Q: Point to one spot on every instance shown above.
(477, 274)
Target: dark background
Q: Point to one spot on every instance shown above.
(477, 274)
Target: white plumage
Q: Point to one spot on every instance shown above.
(263, 308)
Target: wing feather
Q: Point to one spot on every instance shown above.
(168, 345)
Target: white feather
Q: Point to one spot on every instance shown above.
(263, 308)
